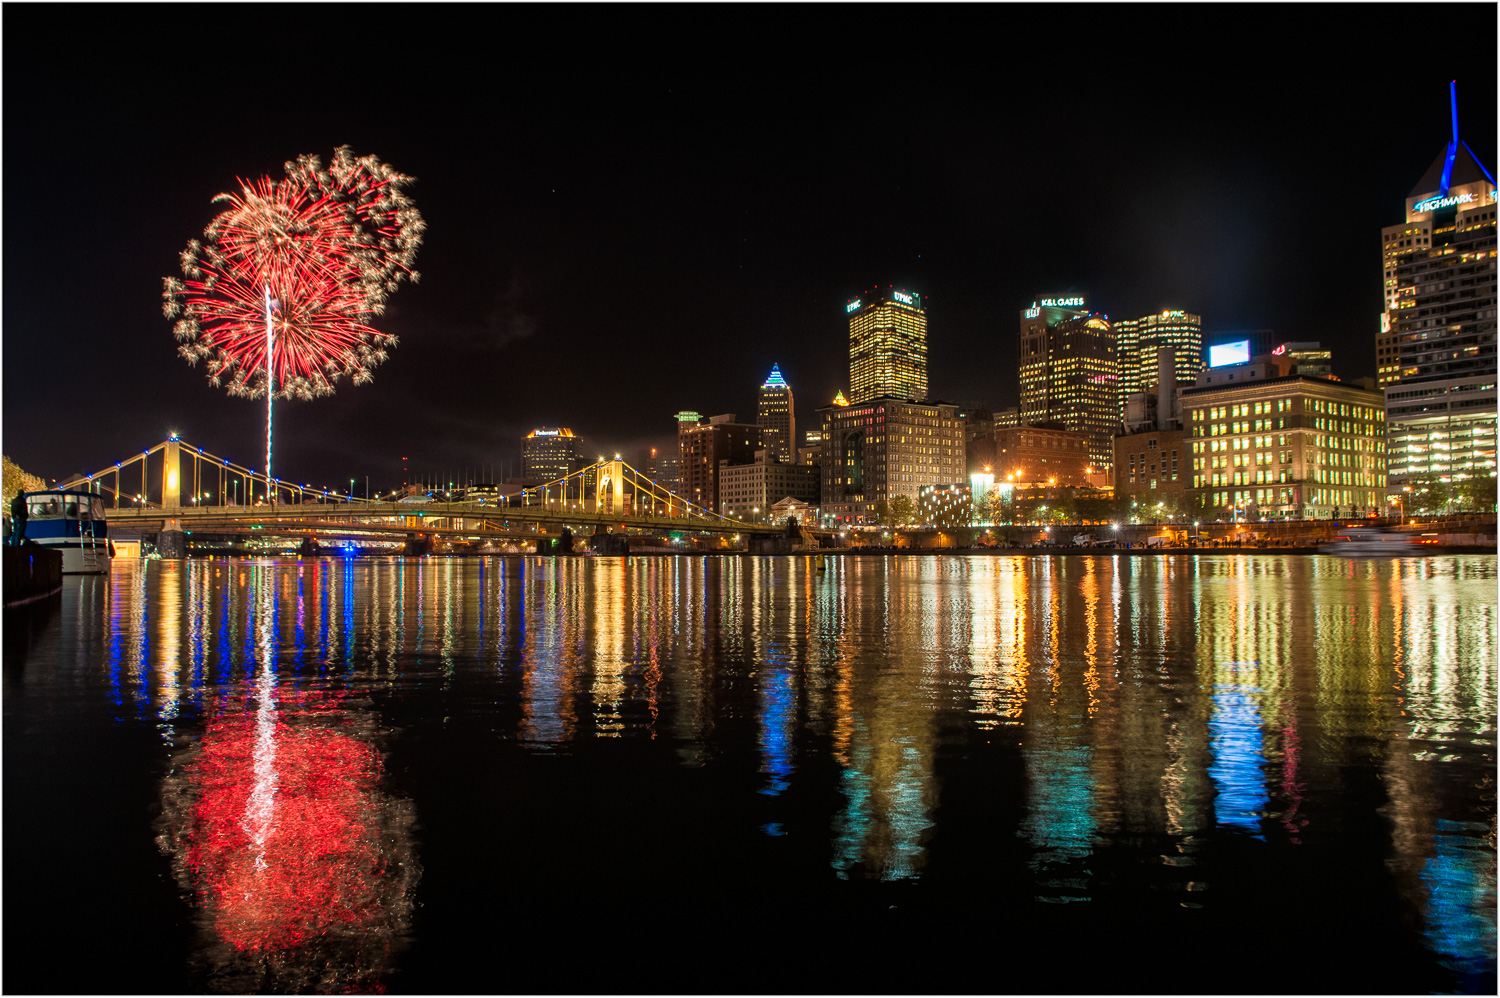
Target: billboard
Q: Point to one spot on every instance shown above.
(1237, 352)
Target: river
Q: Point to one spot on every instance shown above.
(1191, 773)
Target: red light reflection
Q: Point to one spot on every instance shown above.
(278, 823)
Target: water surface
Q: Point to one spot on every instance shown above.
(921, 774)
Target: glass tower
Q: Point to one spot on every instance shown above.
(887, 345)
(1070, 372)
(1139, 341)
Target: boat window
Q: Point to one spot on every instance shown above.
(98, 504)
(70, 508)
(42, 507)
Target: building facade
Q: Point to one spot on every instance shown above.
(1153, 471)
(777, 417)
(886, 447)
(1034, 351)
(887, 346)
(749, 491)
(1440, 319)
(1283, 446)
(1083, 383)
(1140, 342)
(550, 454)
(705, 447)
(1047, 455)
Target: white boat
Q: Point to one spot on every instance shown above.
(70, 522)
(1370, 542)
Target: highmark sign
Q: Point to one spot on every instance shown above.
(1433, 204)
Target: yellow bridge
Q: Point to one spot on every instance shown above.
(183, 487)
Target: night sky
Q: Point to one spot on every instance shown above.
(633, 210)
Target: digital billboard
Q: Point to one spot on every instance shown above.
(1223, 354)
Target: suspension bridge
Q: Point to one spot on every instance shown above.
(175, 487)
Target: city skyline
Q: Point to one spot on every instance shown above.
(552, 274)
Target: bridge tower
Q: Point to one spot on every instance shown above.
(611, 477)
(171, 474)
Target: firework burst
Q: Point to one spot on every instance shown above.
(327, 246)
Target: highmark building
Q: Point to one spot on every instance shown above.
(1436, 350)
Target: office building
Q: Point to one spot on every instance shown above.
(1069, 371)
(749, 491)
(1152, 471)
(550, 454)
(1307, 358)
(705, 446)
(1044, 455)
(1266, 442)
(886, 447)
(887, 346)
(1141, 343)
(1034, 351)
(777, 417)
(1440, 321)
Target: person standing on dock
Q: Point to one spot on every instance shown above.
(17, 520)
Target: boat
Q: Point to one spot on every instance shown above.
(1370, 542)
(70, 522)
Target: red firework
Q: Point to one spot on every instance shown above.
(329, 244)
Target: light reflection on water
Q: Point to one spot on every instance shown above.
(1166, 704)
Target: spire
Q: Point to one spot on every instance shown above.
(1456, 164)
(839, 398)
(774, 379)
(1453, 145)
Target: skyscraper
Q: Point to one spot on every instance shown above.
(777, 418)
(1139, 341)
(1439, 323)
(1069, 371)
(887, 345)
(549, 454)
(1032, 352)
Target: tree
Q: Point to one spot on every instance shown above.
(1094, 508)
(13, 479)
(1476, 494)
(1429, 496)
(1000, 506)
(881, 513)
(902, 509)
